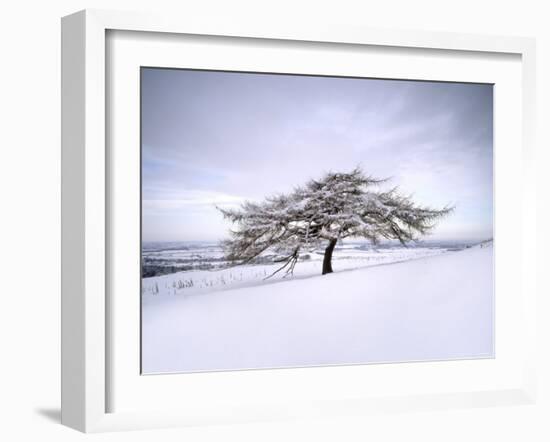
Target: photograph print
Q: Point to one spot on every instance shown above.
(304, 220)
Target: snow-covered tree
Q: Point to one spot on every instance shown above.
(322, 212)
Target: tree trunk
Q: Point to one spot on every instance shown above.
(327, 260)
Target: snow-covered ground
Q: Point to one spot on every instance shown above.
(223, 277)
(431, 308)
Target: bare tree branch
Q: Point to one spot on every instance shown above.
(339, 205)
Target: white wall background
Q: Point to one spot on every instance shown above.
(30, 219)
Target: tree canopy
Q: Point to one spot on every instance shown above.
(322, 212)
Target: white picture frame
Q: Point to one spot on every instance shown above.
(86, 204)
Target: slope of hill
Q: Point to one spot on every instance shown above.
(433, 308)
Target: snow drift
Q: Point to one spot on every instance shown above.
(433, 308)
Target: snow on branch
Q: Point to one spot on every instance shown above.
(338, 205)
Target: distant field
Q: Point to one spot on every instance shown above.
(188, 268)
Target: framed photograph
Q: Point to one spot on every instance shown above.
(262, 222)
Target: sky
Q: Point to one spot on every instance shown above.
(219, 138)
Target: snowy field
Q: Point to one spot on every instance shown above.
(396, 304)
(204, 270)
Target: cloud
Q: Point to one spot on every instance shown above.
(214, 138)
(193, 198)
